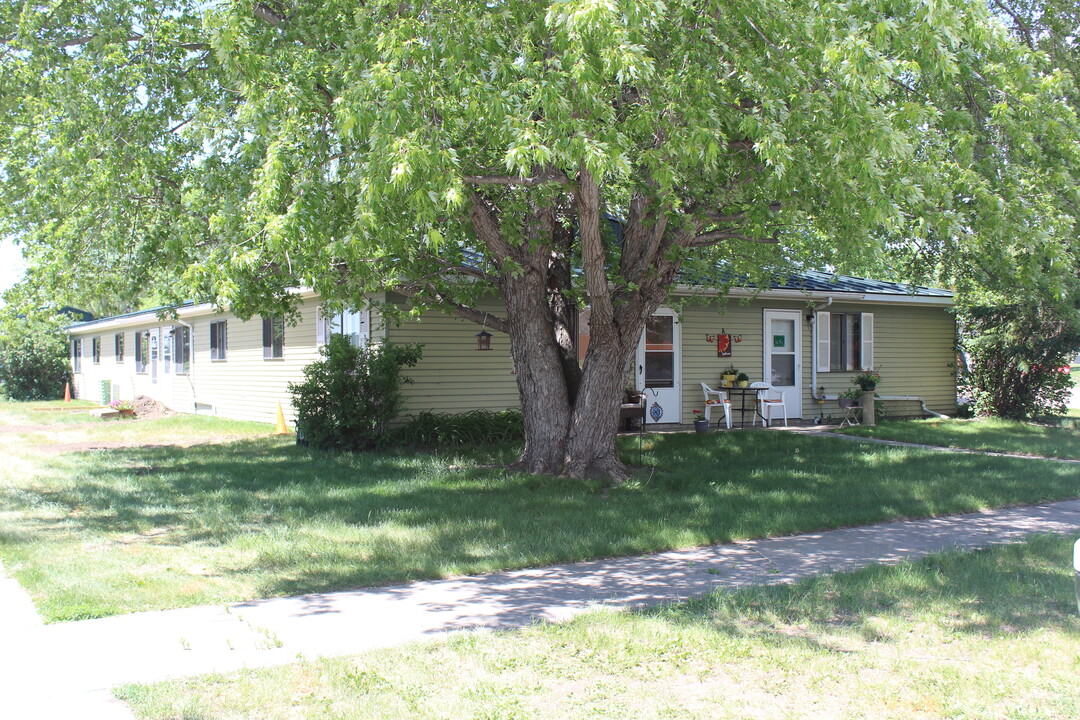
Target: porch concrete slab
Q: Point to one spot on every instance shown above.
(47, 670)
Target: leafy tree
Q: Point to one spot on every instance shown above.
(451, 150)
(1017, 353)
(348, 398)
(34, 362)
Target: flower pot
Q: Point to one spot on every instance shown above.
(702, 425)
(744, 383)
(868, 387)
(848, 403)
(729, 378)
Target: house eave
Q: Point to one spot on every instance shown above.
(161, 316)
(820, 296)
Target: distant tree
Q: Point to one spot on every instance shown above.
(34, 360)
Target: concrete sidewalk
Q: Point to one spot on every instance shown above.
(68, 669)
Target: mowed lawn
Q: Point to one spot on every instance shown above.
(987, 434)
(214, 511)
(985, 635)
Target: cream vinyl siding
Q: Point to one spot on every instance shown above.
(244, 386)
(914, 349)
(915, 352)
(453, 376)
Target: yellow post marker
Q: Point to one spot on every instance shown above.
(281, 428)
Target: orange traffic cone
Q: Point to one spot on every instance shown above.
(67, 392)
(281, 428)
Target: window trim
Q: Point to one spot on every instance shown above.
(182, 339)
(118, 347)
(273, 337)
(142, 352)
(95, 350)
(864, 345)
(76, 354)
(219, 341)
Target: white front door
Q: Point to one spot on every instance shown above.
(659, 368)
(783, 357)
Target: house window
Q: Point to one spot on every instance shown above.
(95, 350)
(353, 324)
(844, 341)
(142, 351)
(76, 354)
(118, 347)
(182, 350)
(273, 331)
(219, 340)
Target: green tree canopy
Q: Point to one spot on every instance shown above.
(454, 149)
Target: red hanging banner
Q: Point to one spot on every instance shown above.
(723, 346)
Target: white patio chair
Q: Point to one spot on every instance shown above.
(769, 400)
(717, 397)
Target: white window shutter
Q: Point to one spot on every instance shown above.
(824, 341)
(320, 328)
(866, 333)
(365, 326)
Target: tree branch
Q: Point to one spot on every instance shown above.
(466, 312)
(550, 176)
(716, 236)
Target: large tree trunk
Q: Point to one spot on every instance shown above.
(590, 446)
(542, 387)
(571, 413)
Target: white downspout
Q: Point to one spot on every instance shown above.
(813, 347)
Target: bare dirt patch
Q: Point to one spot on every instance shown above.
(149, 409)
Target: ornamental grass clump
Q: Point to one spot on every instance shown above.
(347, 399)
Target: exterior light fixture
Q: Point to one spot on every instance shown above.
(483, 340)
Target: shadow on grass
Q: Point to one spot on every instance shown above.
(1005, 590)
(311, 522)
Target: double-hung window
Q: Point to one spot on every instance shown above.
(845, 341)
(273, 333)
(76, 354)
(182, 350)
(118, 347)
(353, 324)
(219, 340)
(142, 351)
(95, 350)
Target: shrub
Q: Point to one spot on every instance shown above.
(34, 361)
(348, 398)
(1016, 353)
(476, 427)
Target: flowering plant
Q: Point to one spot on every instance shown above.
(122, 405)
(867, 379)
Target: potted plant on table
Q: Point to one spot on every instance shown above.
(849, 398)
(742, 380)
(730, 375)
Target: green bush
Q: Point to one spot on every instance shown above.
(347, 399)
(476, 427)
(34, 361)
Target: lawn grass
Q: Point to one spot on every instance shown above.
(990, 634)
(98, 533)
(991, 434)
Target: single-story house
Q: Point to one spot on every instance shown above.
(807, 337)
